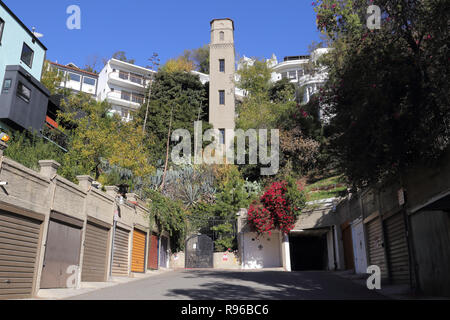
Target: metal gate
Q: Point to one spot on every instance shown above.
(138, 254)
(120, 256)
(152, 262)
(375, 245)
(95, 257)
(19, 240)
(62, 253)
(199, 252)
(397, 249)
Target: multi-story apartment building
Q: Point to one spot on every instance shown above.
(23, 99)
(298, 69)
(123, 85)
(77, 79)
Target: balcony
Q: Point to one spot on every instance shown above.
(125, 99)
(128, 80)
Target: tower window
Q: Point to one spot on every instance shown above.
(222, 36)
(222, 65)
(222, 136)
(221, 96)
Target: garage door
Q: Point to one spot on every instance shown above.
(376, 246)
(348, 246)
(138, 255)
(153, 252)
(19, 240)
(95, 257)
(397, 249)
(62, 254)
(164, 253)
(120, 257)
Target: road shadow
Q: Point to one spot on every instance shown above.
(260, 285)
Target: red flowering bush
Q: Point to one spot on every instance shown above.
(279, 207)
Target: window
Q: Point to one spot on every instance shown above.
(74, 77)
(222, 136)
(123, 75)
(23, 92)
(222, 36)
(138, 98)
(136, 78)
(7, 85)
(292, 74)
(222, 65)
(27, 55)
(125, 95)
(221, 96)
(284, 75)
(89, 81)
(2, 26)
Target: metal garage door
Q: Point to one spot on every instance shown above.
(397, 249)
(152, 262)
(95, 257)
(376, 245)
(348, 246)
(62, 254)
(19, 240)
(138, 254)
(120, 257)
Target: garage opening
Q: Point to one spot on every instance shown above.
(308, 250)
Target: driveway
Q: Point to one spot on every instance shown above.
(233, 285)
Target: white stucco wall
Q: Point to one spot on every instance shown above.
(262, 252)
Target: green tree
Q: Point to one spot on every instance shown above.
(388, 95)
(176, 96)
(121, 55)
(96, 136)
(200, 58)
(170, 216)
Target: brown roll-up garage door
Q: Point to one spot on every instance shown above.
(376, 245)
(120, 257)
(19, 240)
(397, 249)
(95, 257)
(138, 255)
(62, 253)
(153, 252)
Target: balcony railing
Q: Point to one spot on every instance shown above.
(131, 78)
(127, 98)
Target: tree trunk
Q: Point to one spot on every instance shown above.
(167, 151)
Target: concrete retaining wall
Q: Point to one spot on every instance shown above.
(37, 194)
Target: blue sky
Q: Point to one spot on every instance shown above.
(141, 27)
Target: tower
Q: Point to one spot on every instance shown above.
(222, 71)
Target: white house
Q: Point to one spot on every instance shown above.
(295, 69)
(123, 85)
(76, 79)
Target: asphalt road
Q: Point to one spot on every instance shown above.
(232, 285)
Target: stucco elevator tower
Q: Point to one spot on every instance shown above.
(222, 72)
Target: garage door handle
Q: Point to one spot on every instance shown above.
(8, 281)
